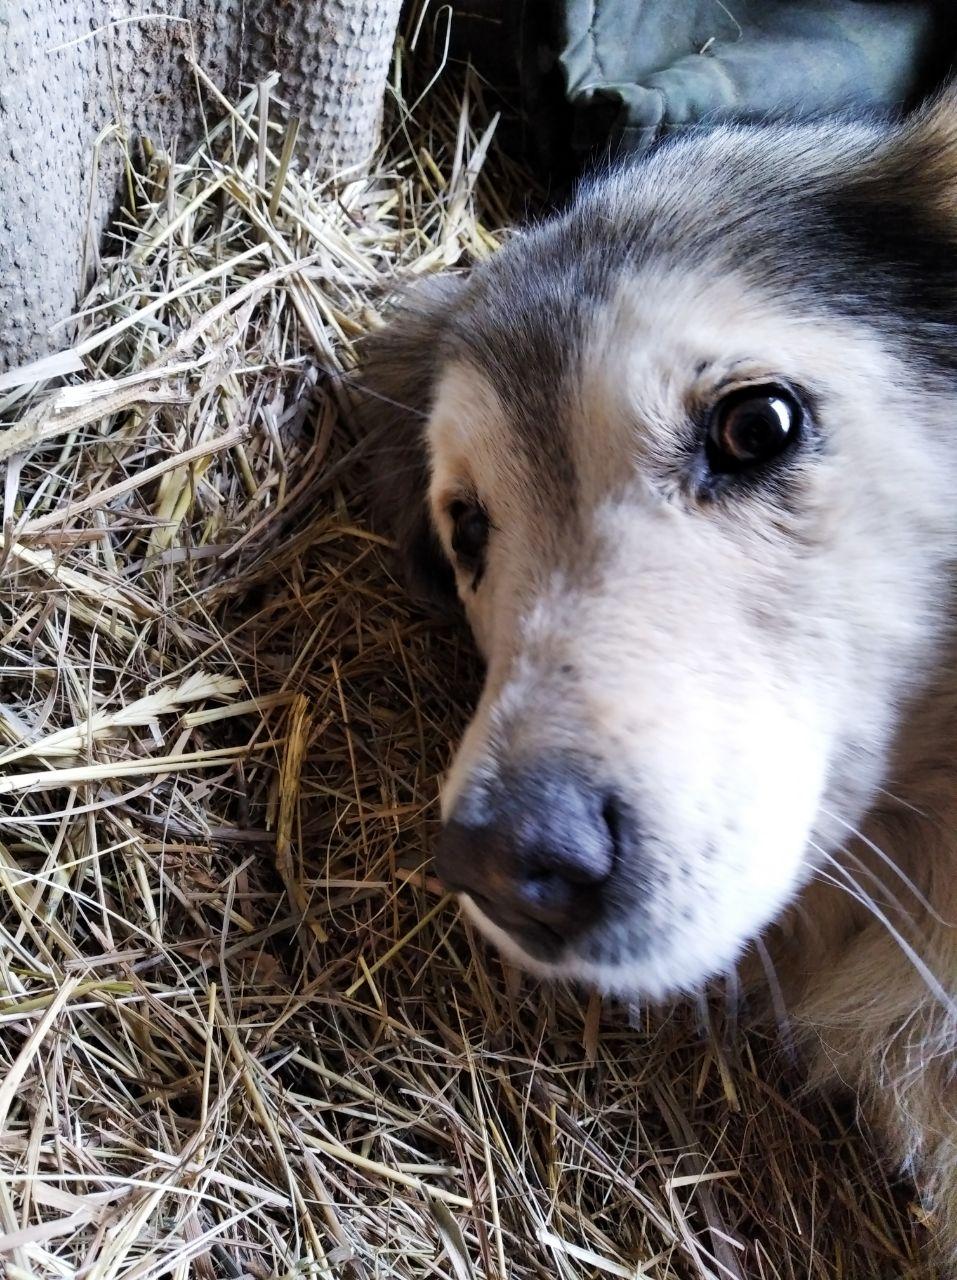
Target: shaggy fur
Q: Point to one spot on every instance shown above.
(762, 666)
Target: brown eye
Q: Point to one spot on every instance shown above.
(752, 426)
(470, 528)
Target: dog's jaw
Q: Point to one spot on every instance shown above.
(824, 255)
(656, 979)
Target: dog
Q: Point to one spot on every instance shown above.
(686, 455)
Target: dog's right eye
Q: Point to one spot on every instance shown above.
(751, 426)
(470, 529)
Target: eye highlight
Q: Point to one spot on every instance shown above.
(752, 426)
(470, 530)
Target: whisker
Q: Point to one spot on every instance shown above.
(731, 999)
(891, 865)
(704, 1014)
(905, 804)
(860, 895)
(889, 897)
(777, 1000)
(355, 382)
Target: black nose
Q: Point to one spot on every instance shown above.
(535, 850)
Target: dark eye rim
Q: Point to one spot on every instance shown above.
(472, 562)
(711, 480)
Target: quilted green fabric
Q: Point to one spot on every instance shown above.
(621, 73)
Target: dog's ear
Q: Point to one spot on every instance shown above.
(925, 151)
(399, 364)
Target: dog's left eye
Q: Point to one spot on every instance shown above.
(751, 426)
(470, 528)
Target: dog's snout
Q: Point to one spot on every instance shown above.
(534, 851)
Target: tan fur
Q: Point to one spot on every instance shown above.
(767, 680)
(644, 578)
(867, 1018)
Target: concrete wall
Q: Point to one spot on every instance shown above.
(71, 69)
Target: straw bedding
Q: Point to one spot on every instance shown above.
(242, 1033)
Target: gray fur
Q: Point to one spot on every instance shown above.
(400, 366)
(752, 662)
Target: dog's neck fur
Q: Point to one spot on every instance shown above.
(868, 1016)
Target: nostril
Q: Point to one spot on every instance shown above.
(545, 897)
(611, 815)
(537, 851)
(545, 889)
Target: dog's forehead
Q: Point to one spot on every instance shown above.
(529, 310)
(629, 271)
(550, 366)
(518, 341)
(800, 255)
(830, 220)
(550, 396)
(481, 434)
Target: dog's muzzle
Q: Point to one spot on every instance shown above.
(535, 850)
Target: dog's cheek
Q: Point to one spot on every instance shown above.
(478, 613)
(400, 364)
(425, 566)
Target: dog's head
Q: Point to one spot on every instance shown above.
(684, 455)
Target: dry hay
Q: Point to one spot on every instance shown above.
(243, 1033)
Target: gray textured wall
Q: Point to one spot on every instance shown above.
(64, 79)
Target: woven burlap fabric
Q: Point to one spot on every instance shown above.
(72, 69)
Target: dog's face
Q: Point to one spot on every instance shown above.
(686, 456)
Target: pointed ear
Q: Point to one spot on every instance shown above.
(917, 166)
(884, 229)
(399, 365)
